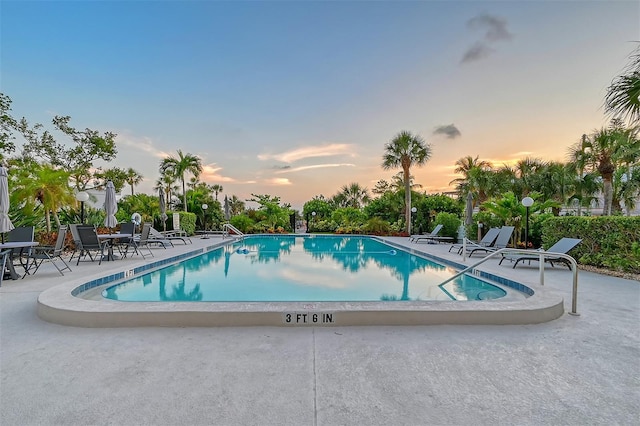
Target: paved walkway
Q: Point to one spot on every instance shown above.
(574, 370)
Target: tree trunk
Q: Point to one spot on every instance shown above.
(608, 195)
(407, 200)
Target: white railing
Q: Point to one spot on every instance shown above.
(542, 255)
(229, 227)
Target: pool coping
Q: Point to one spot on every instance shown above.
(61, 305)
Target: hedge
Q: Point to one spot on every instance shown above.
(612, 242)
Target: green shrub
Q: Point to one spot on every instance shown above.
(243, 222)
(377, 226)
(607, 241)
(450, 223)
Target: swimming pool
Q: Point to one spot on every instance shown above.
(77, 299)
(306, 269)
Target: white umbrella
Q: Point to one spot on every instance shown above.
(110, 206)
(5, 222)
(163, 209)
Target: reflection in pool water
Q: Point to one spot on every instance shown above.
(303, 268)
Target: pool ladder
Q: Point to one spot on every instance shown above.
(542, 255)
(229, 227)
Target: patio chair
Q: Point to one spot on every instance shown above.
(486, 241)
(430, 236)
(125, 243)
(563, 246)
(77, 244)
(502, 241)
(22, 254)
(89, 243)
(50, 253)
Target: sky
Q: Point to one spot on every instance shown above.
(298, 98)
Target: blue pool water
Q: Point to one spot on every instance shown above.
(303, 268)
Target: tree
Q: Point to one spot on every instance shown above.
(216, 188)
(166, 182)
(236, 206)
(114, 174)
(353, 195)
(77, 160)
(270, 213)
(179, 166)
(476, 178)
(406, 150)
(46, 185)
(133, 178)
(7, 125)
(623, 95)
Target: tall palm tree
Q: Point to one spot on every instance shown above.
(179, 166)
(133, 178)
(216, 188)
(166, 182)
(406, 150)
(397, 182)
(623, 96)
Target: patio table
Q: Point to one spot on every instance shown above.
(21, 245)
(111, 237)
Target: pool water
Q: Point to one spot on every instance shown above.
(303, 268)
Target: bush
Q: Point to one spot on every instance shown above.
(450, 223)
(243, 222)
(377, 226)
(607, 241)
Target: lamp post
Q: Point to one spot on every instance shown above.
(204, 216)
(82, 197)
(413, 217)
(313, 216)
(527, 202)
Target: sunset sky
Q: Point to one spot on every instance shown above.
(298, 98)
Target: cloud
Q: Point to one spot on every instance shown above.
(493, 29)
(449, 130)
(309, 152)
(278, 181)
(288, 169)
(210, 174)
(143, 144)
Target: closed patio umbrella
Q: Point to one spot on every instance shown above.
(468, 216)
(226, 208)
(163, 209)
(110, 206)
(5, 222)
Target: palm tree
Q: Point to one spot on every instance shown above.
(353, 195)
(216, 188)
(133, 178)
(623, 96)
(184, 163)
(166, 182)
(476, 178)
(48, 186)
(397, 182)
(406, 150)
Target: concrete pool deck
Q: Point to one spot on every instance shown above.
(573, 370)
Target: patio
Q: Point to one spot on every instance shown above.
(574, 370)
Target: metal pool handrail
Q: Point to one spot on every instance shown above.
(542, 255)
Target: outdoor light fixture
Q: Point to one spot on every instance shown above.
(204, 226)
(527, 202)
(82, 197)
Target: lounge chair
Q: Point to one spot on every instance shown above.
(144, 239)
(486, 241)
(502, 240)
(431, 236)
(76, 238)
(169, 236)
(563, 246)
(51, 253)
